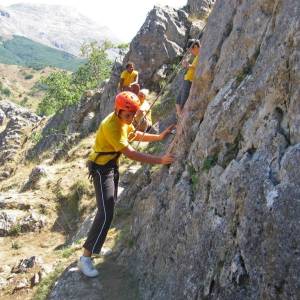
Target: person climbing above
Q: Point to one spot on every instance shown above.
(194, 48)
(129, 79)
(142, 119)
(112, 140)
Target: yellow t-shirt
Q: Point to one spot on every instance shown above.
(111, 136)
(191, 71)
(128, 77)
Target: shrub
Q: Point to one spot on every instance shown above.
(28, 76)
(209, 162)
(6, 92)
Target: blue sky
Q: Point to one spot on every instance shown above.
(124, 18)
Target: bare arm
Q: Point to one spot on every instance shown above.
(148, 137)
(136, 79)
(121, 84)
(147, 158)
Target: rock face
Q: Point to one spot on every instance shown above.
(223, 221)
(201, 8)
(166, 25)
(19, 125)
(20, 212)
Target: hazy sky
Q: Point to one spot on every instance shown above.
(123, 17)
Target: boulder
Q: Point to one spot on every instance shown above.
(200, 8)
(36, 174)
(2, 117)
(166, 25)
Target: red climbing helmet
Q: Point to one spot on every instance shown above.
(127, 101)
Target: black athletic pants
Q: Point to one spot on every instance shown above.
(105, 179)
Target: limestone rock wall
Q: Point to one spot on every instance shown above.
(200, 8)
(223, 221)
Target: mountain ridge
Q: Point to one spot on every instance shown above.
(62, 28)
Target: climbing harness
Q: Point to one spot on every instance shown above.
(91, 165)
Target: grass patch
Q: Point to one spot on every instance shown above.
(15, 230)
(46, 284)
(193, 176)
(25, 52)
(68, 204)
(15, 245)
(36, 137)
(66, 252)
(209, 162)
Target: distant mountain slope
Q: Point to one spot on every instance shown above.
(56, 26)
(25, 52)
(22, 85)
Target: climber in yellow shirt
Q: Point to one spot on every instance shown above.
(112, 139)
(184, 92)
(129, 79)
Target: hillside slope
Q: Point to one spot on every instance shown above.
(25, 52)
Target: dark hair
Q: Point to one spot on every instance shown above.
(130, 63)
(192, 43)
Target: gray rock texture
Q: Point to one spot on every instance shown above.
(223, 221)
(20, 122)
(160, 40)
(200, 8)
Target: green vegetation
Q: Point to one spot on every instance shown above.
(68, 204)
(28, 76)
(15, 230)
(36, 136)
(4, 90)
(194, 176)
(209, 162)
(46, 284)
(64, 89)
(66, 252)
(15, 245)
(25, 52)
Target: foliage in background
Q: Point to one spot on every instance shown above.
(65, 89)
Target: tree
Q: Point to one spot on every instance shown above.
(64, 88)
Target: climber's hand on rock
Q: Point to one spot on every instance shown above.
(167, 131)
(167, 159)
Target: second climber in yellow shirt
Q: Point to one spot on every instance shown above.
(184, 92)
(129, 79)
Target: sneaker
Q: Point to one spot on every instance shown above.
(85, 265)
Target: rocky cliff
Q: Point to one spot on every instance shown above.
(223, 221)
